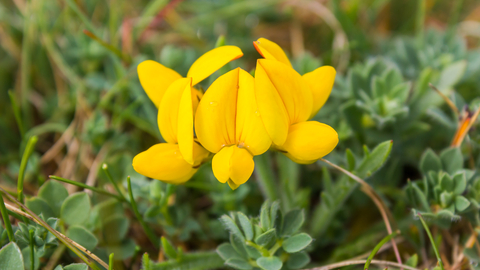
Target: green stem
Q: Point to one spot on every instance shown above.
(420, 22)
(265, 176)
(110, 262)
(32, 251)
(125, 58)
(17, 113)
(82, 185)
(6, 220)
(377, 248)
(73, 5)
(23, 165)
(109, 176)
(440, 263)
(264, 251)
(275, 247)
(151, 236)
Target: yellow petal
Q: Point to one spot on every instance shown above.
(212, 61)
(283, 98)
(234, 164)
(215, 116)
(321, 82)
(270, 50)
(185, 123)
(250, 132)
(309, 141)
(221, 163)
(155, 79)
(164, 162)
(169, 109)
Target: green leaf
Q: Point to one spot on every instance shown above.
(59, 267)
(451, 75)
(238, 264)
(374, 160)
(270, 263)
(446, 198)
(461, 203)
(115, 229)
(430, 162)
(75, 209)
(297, 242)
(82, 236)
(265, 215)
(246, 225)
(40, 206)
(293, 221)
(274, 213)
(76, 266)
(460, 182)
(168, 249)
(267, 238)
(54, 193)
(232, 226)
(298, 260)
(252, 252)
(452, 160)
(351, 161)
(446, 182)
(239, 245)
(412, 261)
(11, 257)
(226, 251)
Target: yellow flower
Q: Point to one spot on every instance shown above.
(286, 101)
(320, 81)
(227, 123)
(155, 77)
(177, 160)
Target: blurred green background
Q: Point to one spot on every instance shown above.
(70, 67)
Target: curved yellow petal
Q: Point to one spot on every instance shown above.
(250, 132)
(233, 164)
(185, 123)
(212, 61)
(169, 110)
(270, 50)
(221, 163)
(155, 78)
(215, 116)
(164, 162)
(321, 82)
(283, 98)
(309, 141)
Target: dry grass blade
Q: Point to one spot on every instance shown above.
(347, 263)
(32, 216)
(447, 100)
(370, 192)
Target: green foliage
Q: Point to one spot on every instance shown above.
(11, 257)
(276, 239)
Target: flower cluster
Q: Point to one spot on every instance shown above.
(237, 118)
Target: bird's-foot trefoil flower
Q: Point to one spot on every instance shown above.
(320, 81)
(177, 160)
(228, 123)
(155, 77)
(286, 101)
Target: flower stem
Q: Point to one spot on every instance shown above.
(82, 185)
(151, 236)
(265, 177)
(377, 247)
(109, 176)
(440, 263)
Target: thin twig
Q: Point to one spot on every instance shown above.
(67, 241)
(447, 100)
(370, 192)
(347, 263)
